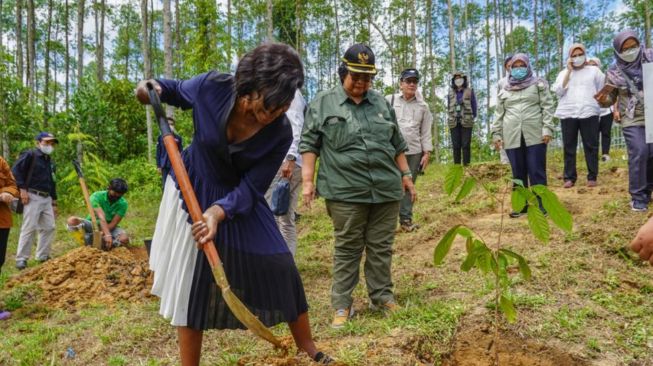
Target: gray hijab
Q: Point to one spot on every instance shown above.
(530, 79)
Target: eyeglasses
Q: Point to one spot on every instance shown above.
(365, 78)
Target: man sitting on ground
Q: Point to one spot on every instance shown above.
(110, 207)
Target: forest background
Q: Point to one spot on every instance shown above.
(70, 67)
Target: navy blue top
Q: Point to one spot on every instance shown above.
(162, 159)
(42, 178)
(234, 176)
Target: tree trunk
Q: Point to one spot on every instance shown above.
(31, 50)
(298, 26)
(178, 35)
(80, 61)
(100, 41)
(167, 47)
(46, 83)
(647, 23)
(535, 33)
(228, 31)
(337, 49)
(147, 71)
(412, 34)
(80, 41)
(560, 35)
(67, 60)
(436, 121)
(268, 20)
(4, 138)
(487, 68)
(452, 52)
(497, 51)
(19, 41)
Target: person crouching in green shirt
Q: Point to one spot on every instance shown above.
(363, 174)
(110, 207)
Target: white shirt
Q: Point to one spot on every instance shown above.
(577, 99)
(295, 114)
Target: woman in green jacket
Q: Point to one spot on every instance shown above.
(523, 123)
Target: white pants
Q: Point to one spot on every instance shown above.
(286, 223)
(38, 216)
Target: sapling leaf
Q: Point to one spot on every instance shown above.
(453, 178)
(524, 269)
(525, 192)
(466, 189)
(538, 223)
(444, 245)
(517, 200)
(518, 182)
(557, 211)
(508, 308)
(464, 231)
(472, 255)
(469, 245)
(485, 260)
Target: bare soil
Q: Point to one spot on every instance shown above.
(87, 275)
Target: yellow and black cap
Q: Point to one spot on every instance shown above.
(359, 58)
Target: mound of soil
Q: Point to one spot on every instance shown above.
(87, 275)
(489, 171)
(474, 342)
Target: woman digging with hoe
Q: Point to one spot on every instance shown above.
(241, 138)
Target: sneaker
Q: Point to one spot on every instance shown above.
(591, 183)
(638, 206)
(21, 264)
(341, 317)
(568, 184)
(42, 260)
(515, 214)
(388, 308)
(323, 359)
(605, 157)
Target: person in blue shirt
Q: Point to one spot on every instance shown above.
(162, 159)
(241, 136)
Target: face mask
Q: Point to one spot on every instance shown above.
(459, 82)
(629, 55)
(578, 61)
(519, 73)
(47, 149)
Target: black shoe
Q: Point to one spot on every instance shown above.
(43, 260)
(323, 359)
(521, 213)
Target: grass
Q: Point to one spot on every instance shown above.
(583, 295)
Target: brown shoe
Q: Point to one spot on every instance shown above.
(341, 317)
(388, 308)
(568, 184)
(591, 183)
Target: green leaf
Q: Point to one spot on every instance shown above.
(538, 223)
(517, 200)
(444, 245)
(508, 308)
(466, 189)
(469, 245)
(485, 262)
(518, 182)
(557, 212)
(464, 231)
(470, 260)
(524, 269)
(453, 178)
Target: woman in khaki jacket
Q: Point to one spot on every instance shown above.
(8, 192)
(523, 123)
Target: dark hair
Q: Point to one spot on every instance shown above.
(342, 72)
(118, 185)
(273, 69)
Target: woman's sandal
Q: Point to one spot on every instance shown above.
(323, 359)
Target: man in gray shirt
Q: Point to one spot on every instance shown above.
(415, 122)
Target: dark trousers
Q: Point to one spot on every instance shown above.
(528, 163)
(605, 129)
(640, 164)
(589, 132)
(461, 140)
(4, 237)
(406, 206)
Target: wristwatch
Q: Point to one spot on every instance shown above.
(291, 157)
(407, 174)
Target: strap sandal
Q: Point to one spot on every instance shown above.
(323, 359)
